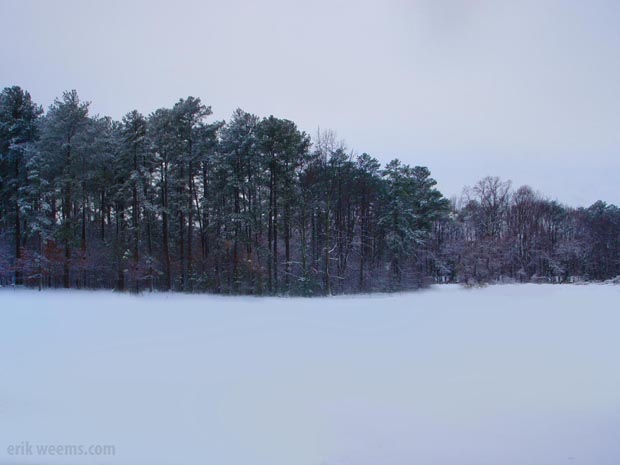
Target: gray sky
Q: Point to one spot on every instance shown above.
(526, 90)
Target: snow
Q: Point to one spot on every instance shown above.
(512, 374)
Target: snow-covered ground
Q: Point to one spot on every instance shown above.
(519, 374)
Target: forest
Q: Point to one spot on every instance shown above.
(254, 205)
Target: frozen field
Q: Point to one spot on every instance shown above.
(506, 375)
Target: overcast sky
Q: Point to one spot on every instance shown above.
(526, 90)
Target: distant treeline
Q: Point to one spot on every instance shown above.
(173, 201)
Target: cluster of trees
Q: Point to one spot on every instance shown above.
(174, 201)
(494, 233)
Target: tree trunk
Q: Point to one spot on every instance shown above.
(165, 233)
(190, 221)
(18, 246)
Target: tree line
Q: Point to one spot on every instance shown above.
(174, 201)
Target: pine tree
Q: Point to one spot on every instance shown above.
(136, 164)
(283, 146)
(18, 131)
(411, 205)
(63, 136)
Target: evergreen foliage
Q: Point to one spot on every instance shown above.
(174, 201)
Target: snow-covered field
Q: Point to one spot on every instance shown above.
(523, 375)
